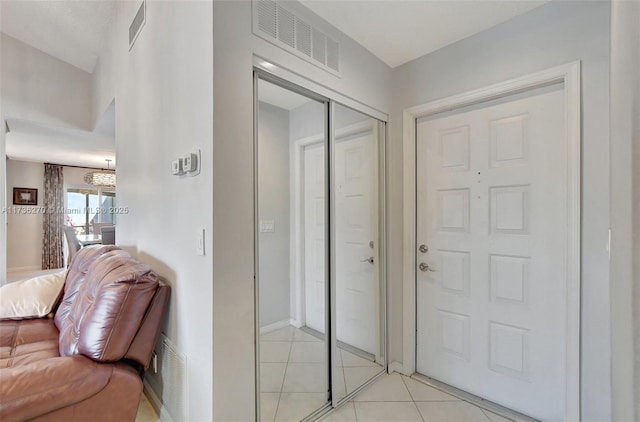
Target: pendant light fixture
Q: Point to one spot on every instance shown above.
(102, 178)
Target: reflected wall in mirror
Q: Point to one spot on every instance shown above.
(291, 253)
(358, 287)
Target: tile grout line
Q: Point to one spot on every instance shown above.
(355, 410)
(284, 377)
(344, 379)
(484, 412)
(419, 412)
(413, 400)
(407, 387)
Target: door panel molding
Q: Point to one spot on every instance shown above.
(569, 74)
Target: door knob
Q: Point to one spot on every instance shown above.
(424, 267)
(369, 260)
(423, 248)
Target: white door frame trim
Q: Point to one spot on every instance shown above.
(296, 228)
(569, 74)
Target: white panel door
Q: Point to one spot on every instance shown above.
(492, 211)
(356, 240)
(314, 236)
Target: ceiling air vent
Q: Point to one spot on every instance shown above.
(280, 26)
(137, 24)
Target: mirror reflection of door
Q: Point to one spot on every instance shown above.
(357, 253)
(291, 254)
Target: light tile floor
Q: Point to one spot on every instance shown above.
(396, 398)
(292, 387)
(293, 374)
(146, 413)
(391, 398)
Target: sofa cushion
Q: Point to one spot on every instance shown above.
(31, 298)
(27, 341)
(76, 274)
(61, 383)
(102, 314)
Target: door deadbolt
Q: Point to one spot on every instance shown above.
(423, 248)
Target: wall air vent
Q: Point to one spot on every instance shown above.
(279, 25)
(173, 368)
(138, 22)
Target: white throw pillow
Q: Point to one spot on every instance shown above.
(31, 298)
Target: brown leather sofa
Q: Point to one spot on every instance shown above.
(86, 363)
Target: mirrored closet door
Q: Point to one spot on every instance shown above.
(319, 260)
(356, 250)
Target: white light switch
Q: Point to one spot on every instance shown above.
(267, 226)
(200, 242)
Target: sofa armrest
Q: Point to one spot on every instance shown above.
(50, 384)
(145, 340)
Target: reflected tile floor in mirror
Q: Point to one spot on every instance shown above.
(396, 398)
(293, 374)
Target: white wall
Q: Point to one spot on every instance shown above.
(164, 106)
(625, 214)
(363, 77)
(36, 86)
(27, 92)
(74, 175)
(554, 34)
(24, 231)
(3, 202)
(273, 191)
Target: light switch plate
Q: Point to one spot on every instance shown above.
(200, 242)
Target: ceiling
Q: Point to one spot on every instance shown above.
(71, 30)
(74, 31)
(30, 141)
(398, 31)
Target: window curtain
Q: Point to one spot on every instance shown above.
(53, 221)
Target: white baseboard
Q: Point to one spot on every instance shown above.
(397, 367)
(274, 326)
(156, 403)
(295, 323)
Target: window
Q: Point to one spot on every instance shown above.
(86, 206)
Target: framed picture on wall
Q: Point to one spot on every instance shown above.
(25, 196)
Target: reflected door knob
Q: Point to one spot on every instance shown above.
(369, 260)
(423, 248)
(424, 267)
